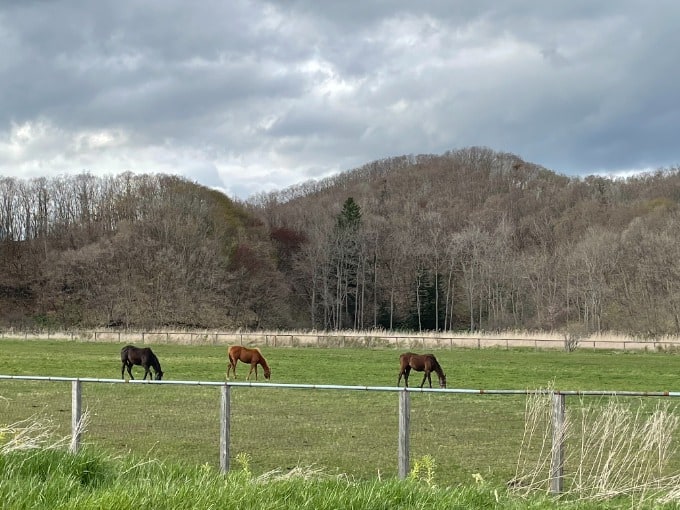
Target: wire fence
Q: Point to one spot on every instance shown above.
(355, 430)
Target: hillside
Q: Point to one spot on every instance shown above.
(142, 251)
(470, 239)
(476, 239)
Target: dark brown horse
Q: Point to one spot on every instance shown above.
(253, 356)
(144, 356)
(421, 363)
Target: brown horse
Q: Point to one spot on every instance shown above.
(144, 356)
(421, 363)
(253, 356)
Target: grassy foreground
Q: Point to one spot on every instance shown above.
(54, 479)
(350, 437)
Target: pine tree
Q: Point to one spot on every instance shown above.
(350, 216)
(347, 258)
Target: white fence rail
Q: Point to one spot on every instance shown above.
(404, 409)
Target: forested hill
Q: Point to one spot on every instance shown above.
(475, 239)
(137, 251)
(470, 239)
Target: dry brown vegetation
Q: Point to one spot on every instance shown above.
(350, 338)
(613, 450)
(468, 240)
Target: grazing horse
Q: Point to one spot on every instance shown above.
(144, 356)
(421, 363)
(253, 356)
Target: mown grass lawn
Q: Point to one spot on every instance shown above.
(353, 432)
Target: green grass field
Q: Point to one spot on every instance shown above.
(352, 432)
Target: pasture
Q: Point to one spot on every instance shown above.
(339, 431)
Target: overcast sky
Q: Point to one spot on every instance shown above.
(252, 96)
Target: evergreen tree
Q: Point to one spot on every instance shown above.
(346, 264)
(350, 216)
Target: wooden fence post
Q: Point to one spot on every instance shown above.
(557, 452)
(225, 428)
(76, 426)
(404, 422)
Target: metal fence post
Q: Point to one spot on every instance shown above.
(557, 452)
(76, 426)
(225, 427)
(404, 422)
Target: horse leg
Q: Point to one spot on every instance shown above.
(407, 372)
(146, 372)
(122, 372)
(232, 366)
(129, 369)
(403, 372)
(250, 372)
(425, 378)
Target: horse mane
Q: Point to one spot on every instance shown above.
(154, 361)
(436, 366)
(263, 361)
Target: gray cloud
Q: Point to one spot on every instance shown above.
(249, 96)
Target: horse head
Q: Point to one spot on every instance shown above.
(442, 381)
(267, 373)
(159, 375)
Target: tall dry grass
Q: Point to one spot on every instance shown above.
(566, 340)
(613, 449)
(29, 434)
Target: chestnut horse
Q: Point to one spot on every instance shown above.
(144, 356)
(421, 363)
(253, 356)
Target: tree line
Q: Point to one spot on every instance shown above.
(470, 239)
